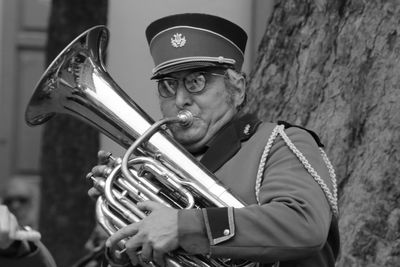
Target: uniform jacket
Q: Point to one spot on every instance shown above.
(26, 255)
(293, 223)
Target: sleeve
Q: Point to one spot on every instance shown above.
(27, 254)
(293, 217)
(192, 234)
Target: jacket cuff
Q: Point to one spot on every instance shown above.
(17, 249)
(220, 224)
(38, 255)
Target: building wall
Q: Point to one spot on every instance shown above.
(23, 29)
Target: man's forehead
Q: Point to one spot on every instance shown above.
(18, 187)
(182, 73)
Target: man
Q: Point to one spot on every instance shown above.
(20, 196)
(279, 171)
(20, 248)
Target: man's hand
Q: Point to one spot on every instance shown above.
(155, 235)
(100, 172)
(8, 227)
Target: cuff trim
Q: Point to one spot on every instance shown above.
(219, 223)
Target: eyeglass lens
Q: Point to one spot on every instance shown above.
(193, 82)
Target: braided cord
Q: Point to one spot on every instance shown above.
(331, 197)
(332, 174)
(260, 172)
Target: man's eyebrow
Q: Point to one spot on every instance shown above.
(171, 76)
(166, 77)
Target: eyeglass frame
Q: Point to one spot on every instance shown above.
(205, 71)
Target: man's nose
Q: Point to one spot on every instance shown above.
(183, 97)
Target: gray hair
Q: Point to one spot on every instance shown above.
(231, 78)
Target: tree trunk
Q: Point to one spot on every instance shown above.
(333, 67)
(69, 147)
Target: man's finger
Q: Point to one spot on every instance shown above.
(159, 258)
(5, 218)
(4, 225)
(122, 233)
(133, 246)
(103, 156)
(28, 235)
(101, 170)
(94, 193)
(147, 253)
(149, 205)
(8, 227)
(106, 158)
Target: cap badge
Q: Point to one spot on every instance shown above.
(178, 40)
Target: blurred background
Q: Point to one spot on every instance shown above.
(32, 33)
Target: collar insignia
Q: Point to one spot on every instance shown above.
(246, 130)
(178, 40)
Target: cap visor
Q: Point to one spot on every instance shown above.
(185, 66)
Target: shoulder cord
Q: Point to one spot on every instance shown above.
(331, 196)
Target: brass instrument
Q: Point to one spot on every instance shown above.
(154, 167)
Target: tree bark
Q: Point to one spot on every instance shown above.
(333, 67)
(69, 147)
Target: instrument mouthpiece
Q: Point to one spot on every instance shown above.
(185, 118)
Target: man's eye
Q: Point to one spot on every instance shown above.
(198, 79)
(169, 81)
(195, 80)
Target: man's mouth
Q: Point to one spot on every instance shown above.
(185, 118)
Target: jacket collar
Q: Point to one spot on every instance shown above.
(228, 141)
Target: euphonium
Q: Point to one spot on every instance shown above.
(154, 167)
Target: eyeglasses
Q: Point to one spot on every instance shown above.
(194, 83)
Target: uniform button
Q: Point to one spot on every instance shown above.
(226, 232)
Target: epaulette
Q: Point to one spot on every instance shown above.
(313, 134)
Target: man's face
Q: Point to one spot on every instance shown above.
(18, 197)
(212, 107)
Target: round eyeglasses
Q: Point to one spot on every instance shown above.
(194, 83)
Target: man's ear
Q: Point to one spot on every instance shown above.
(241, 90)
(239, 82)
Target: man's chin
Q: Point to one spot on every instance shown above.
(188, 141)
(188, 137)
(185, 140)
